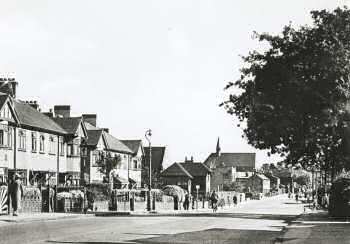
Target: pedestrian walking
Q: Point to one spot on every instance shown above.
(16, 193)
(214, 201)
(235, 200)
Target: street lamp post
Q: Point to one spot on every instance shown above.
(148, 138)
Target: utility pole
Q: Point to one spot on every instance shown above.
(148, 138)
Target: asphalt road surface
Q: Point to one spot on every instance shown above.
(254, 222)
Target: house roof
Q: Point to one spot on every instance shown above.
(261, 176)
(114, 144)
(157, 157)
(189, 169)
(70, 124)
(176, 169)
(242, 161)
(133, 145)
(271, 176)
(3, 99)
(93, 137)
(89, 126)
(196, 169)
(29, 116)
(282, 173)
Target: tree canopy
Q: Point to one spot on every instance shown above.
(107, 163)
(293, 97)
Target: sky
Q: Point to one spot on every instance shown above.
(143, 64)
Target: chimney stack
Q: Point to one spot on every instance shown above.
(48, 114)
(33, 104)
(105, 130)
(8, 86)
(91, 119)
(62, 111)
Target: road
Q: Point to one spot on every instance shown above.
(253, 222)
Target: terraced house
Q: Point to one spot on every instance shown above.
(99, 144)
(56, 147)
(30, 142)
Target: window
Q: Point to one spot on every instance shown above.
(135, 164)
(61, 146)
(69, 150)
(1, 138)
(42, 144)
(73, 150)
(34, 142)
(52, 145)
(22, 140)
(9, 137)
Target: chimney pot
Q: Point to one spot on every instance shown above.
(33, 104)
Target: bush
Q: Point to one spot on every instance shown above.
(339, 201)
(98, 191)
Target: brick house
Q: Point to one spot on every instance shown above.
(258, 183)
(228, 168)
(188, 175)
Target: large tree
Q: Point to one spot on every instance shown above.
(293, 96)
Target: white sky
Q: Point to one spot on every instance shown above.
(143, 64)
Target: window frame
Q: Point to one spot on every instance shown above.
(22, 136)
(42, 143)
(34, 142)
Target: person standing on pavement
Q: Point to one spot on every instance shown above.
(16, 194)
(186, 203)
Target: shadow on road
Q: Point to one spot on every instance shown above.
(217, 236)
(229, 215)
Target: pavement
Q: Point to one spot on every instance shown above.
(252, 222)
(32, 217)
(316, 227)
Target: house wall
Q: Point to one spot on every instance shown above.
(222, 176)
(135, 172)
(266, 186)
(45, 160)
(256, 184)
(6, 152)
(96, 175)
(202, 182)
